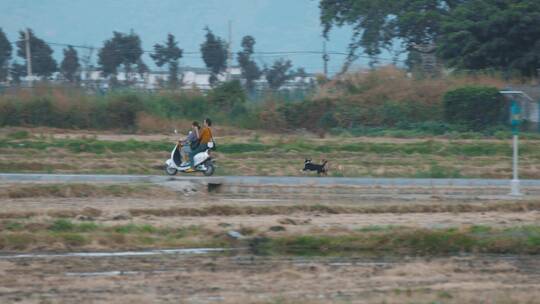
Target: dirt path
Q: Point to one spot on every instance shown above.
(304, 223)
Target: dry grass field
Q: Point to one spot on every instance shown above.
(293, 250)
(251, 153)
(297, 245)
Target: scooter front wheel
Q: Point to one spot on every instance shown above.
(170, 171)
(209, 169)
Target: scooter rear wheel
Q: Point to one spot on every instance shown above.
(170, 171)
(209, 170)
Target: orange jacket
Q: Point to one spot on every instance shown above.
(206, 136)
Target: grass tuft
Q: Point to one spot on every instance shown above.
(520, 240)
(62, 225)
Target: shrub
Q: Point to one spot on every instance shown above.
(9, 114)
(38, 112)
(74, 239)
(62, 225)
(359, 104)
(477, 107)
(327, 121)
(19, 134)
(122, 110)
(194, 106)
(227, 95)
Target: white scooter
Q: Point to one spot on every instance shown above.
(203, 162)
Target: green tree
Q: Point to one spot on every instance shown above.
(70, 65)
(5, 56)
(43, 64)
(17, 71)
(377, 24)
(249, 68)
(142, 68)
(168, 53)
(498, 34)
(121, 50)
(214, 55)
(278, 73)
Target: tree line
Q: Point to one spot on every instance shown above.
(477, 35)
(502, 35)
(123, 52)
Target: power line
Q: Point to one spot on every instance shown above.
(260, 53)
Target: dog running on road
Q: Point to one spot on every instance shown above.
(310, 166)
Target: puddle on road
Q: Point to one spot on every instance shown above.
(115, 254)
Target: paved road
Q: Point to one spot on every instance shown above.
(261, 180)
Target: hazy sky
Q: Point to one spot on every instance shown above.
(277, 25)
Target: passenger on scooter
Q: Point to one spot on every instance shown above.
(191, 140)
(204, 138)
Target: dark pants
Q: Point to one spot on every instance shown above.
(199, 149)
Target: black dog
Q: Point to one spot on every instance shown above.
(321, 169)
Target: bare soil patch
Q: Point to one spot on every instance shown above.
(252, 279)
(64, 218)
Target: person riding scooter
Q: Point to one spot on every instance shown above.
(203, 162)
(204, 138)
(190, 141)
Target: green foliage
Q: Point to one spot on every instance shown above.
(427, 147)
(123, 109)
(365, 109)
(23, 134)
(476, 107)
(214, 54)
(5, 55)
(70, 64)
(122, 49)
(43, 63)
(480, 229)
(16, 72)
(327, 121)
(250, 70)
(374, 228)
(228, 95)
(437, 171)
(377, 23)
(278, 74)
(62, 225)
(87, 227)
(406, 240)
(38, 112)
(129, 228)
(18, 241)
(242, 148)
(132, 228)
(473, 34)
(13, 226)
(74, 239)
(168, 53)
(493, 34)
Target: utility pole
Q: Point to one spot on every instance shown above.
(325, 58)
(229, 53)
(86, 60)
(28, 57)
